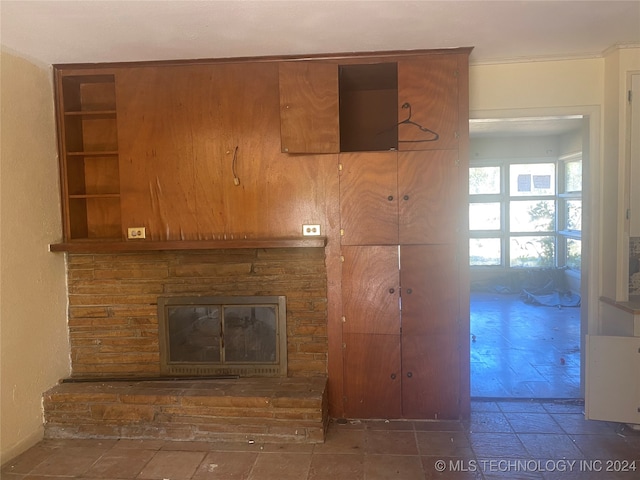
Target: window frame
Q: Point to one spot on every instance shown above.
(564, 197)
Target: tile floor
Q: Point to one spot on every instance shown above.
(514, 439)
(520, 350)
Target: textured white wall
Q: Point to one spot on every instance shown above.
(34, 350)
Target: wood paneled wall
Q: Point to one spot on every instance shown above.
(200, 156)
(189, 133)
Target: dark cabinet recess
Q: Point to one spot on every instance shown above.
(368, 107)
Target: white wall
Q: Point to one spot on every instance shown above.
(536, 85)
(34, 350)
(615, 186)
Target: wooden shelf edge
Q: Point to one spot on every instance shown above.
(83, 196)
(94, 153)
(150, 246)
(91, 113)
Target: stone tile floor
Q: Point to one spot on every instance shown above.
(506, 439)
(519, 350)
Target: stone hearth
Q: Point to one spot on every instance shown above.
(267, 410)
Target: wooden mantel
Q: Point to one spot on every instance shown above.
(150, 246)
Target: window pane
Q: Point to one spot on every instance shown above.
(484, 180)
(484, 216)
(574, 215)
(485, 251)
(573, 176)
(574, 253)
(532, 216)
(532, 251)
(532, 179)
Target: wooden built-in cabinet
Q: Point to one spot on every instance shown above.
(372, 104)
(401, 284)
(371, 147)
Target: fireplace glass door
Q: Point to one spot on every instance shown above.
(223, 335)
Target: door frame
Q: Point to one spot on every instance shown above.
(591, 214)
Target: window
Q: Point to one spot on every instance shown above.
(526, 214)
(485, 215)
(570, 208)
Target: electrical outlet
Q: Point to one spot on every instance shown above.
(136, 232)
(311, 230)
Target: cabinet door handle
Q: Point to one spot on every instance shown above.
(406, 197)
(392, 290)
(409, 374)
(393, 376)
(390, 198)
(409, 291)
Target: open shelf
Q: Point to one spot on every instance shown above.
(368, 107)
(90, 162)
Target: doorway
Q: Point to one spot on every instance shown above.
(526, 263)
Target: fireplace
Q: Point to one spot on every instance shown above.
(113, 313)
(234, 335)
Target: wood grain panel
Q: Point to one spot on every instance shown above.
(463, 234)
(430, 377)
(429, 197)
(160, 119)
(430, 85)
(99, 134)
(101, 174)
(368, 198)
(103, 217)
(180, 130)
(372, 386)
(243, 115)
(430, 289)
(96, 96)
(296, 191)
(309, 116)
(370, 289)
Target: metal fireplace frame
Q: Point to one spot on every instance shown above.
(278, 368)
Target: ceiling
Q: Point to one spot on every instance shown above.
(90, 31)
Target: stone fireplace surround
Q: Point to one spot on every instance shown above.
(113, 331)
(113, 323)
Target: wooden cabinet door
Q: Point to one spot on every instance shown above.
(309, 113)
(430, 376)
(429, 84)
(430, 290)
(430, 333)
(371, 290)
(371, 331)
(368, 198)
(429, 200)
(372, 386)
